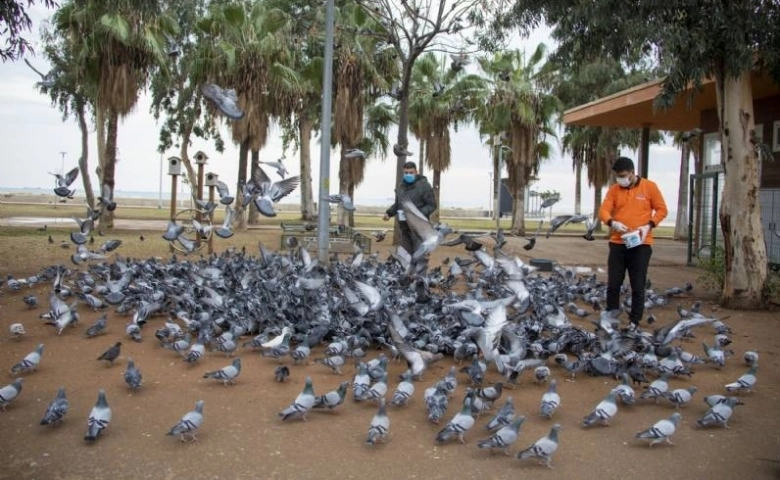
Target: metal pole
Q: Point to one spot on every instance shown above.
(327, 93)
(497, 206)
(211, 219)
(490, 194)
(173, 203)
(201, 171)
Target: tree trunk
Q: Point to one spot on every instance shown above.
(109, 169)
(341, 214)
(518, 193)
(100, 131)
(184, 156)
(351, 215)
(435, 216)
(421, 159)
(403, 133)
(83, 159)
(681, 223)
(240, 216)
(740, 211)
(254, 215)
(578, 186)
(307, 197)
(596, 207)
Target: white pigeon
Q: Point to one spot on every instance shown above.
(189, 423)
(278, 340)
(661, 430)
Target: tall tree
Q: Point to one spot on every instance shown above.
(416, 26)
(116, 45)
(688, 143)
(692, 41)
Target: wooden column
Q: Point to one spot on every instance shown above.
(644, 151)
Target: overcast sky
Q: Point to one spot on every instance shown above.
(34, 134)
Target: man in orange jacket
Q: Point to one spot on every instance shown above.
(633, 204)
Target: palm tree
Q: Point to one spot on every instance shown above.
(116, 46)
(521, 105)
(440, 98)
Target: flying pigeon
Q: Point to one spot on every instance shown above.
(226, 100)
(344, 200)
(279, 166)
(224, 193)
(63, 182)
(355, 153)
(401, 151)
(189, 423)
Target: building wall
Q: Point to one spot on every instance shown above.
(767, 112)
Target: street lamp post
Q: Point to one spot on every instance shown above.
(323, 207)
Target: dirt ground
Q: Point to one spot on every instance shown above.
(242, 437)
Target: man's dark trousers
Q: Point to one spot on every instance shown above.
(409, 240)
(635, 261)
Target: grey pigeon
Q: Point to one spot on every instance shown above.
(430, 238)
(745, 383)
(344, 199)
(712, 400)
(751, 357)
(64, 182)
(133, 377)
(661, 430)
(680, 396)
(56, 409)
(719, 414)
(656, 389)
(404, 391)
(504, 438)
(189, 423)
(106, 198)
(604, 411)
(225, 100)
(333, 398)
(279, 166)
(380, 425)
(459, 425)
(226, 375)
(30, 361)
(96, 328)
(355, 153)
(225, 231)
(281, 373)
(302, 404)
(551, 400)
(334, 362)
(224, 193)
(544, 448)
(99, 418)
(112, 353)
(9, 393)
(503, 416)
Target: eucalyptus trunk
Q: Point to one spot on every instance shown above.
(253, 217)
(184, 156)
(109, 169)
(681, 222)
(740, 210)
(83, 159)
(344, 176)
(100, 131)
(435, 216)
(518, 194)
(243, 154)
(307, 197)
(403, 135)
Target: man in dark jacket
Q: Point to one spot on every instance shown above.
(417, 189)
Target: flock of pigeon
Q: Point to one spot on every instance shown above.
(508, 319)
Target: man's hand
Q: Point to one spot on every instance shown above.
(386, 217)
(643, 230)
(618, 227)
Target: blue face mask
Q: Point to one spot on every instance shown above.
(409, 177)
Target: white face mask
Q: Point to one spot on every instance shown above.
(623, 181)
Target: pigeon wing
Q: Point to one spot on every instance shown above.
(284, 187)
(416, 220)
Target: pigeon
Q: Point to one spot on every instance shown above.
(333, 398)
(63, 182)
(459, 424)
(590, 228)
(379, 235)
(99, 418)
(133, 376)
(56, 409)
(680, 396)
(47, 80)
(557, 222)
(604, 411)
(503, 416)
(380, 425)
(173, 231)
(404, 390)
(334, 362)
(550, 400)
(9, 393)
(504, 438)
(751, 357)
(355, 153)
(224, 193)
(224, 231)
(625, 392)
(715, 354)
(712, 400)
(279, 166)
(31, 301)
(17, 330)
(661, 430)
(111, 354)
(281, 373)
(532, 240)
(226, 375)
(189, 423)
(541, 374)
(544, 448)
(744, 383)
(416, 360)
(459, 61)
(430, 237)
(302, 404)
(656, 389)
(30, 361)
(106, 198)
(266, 193)
(345, 201)
(225, 100)
(196, 352)
(401, 151)
(301, 351)
(97, 328)
(719, 414)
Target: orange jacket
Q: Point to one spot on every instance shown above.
(637, 205)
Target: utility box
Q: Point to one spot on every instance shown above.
(174, 166)
(211, 179)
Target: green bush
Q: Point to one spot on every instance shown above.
(714, 266)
